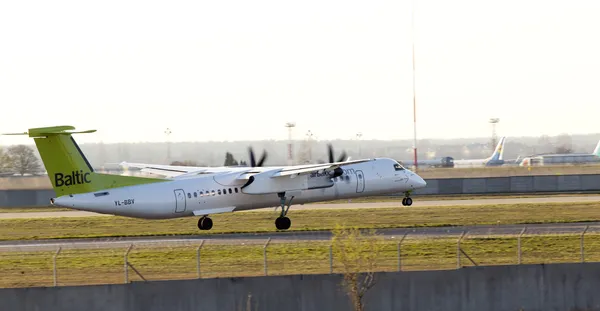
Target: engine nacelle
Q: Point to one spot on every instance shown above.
(337, 172)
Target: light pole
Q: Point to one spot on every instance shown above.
(309, 136)
(358, 136)
(168, 133)
(494, 121)
(290, 126)
(414, 92)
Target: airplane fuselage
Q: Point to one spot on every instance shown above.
(216, 193)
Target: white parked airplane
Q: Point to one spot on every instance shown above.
(496, 159)
(201, 192)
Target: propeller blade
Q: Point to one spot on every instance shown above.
(262, 159)
(330, 151)
(342, 157)
(252, 159)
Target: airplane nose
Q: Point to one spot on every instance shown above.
(418, 182)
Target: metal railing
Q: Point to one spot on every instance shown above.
(110, 262)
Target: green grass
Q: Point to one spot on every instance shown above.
(33, 209)
(102, 266)
(302, 220)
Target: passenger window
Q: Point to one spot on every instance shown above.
(219, 192)
(224, 191)
(189, 195)
(230, 191)
(213, 192)
(201, 194)
(236, 191)
(347, 178)
(195, 195)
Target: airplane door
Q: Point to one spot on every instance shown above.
(179, 201)
(360, 182)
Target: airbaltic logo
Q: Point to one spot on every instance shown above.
(76, 178)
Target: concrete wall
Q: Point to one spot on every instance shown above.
(446, 186)
(515, 184)
(494, 288)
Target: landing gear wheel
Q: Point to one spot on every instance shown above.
(283, 223)
(205, 223)
(407, 201)
(404, 201)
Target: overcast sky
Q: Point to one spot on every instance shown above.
(230, 70)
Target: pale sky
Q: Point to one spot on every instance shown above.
(233, 70)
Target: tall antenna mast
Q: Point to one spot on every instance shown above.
(414, 91)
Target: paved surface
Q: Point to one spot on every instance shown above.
(305, 236)
(416, 203)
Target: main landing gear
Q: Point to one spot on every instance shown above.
(407, 201)
(205, 223)
(282, 222)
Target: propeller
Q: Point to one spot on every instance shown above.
(338, 171)
(341, 158)
(253, 162)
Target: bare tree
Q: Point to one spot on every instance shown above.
(4, 161)
(564, 144)
(22, 159)
(357, 252)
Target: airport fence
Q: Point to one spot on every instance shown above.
(112, 262)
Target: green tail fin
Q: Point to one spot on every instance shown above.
(68, 169)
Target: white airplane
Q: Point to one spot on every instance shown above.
(496, 159)
(205, 191)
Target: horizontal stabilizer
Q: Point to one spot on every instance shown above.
(210, 211)
(53, 130)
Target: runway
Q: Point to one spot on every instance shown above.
(298, 236)
(416, 203)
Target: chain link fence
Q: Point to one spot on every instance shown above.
(67, 264)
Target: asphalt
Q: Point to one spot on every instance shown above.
(299, 236)
(308, 236)
(416, 203)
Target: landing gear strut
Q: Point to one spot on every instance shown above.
(205, 223)
(407, 201)
(282, 222)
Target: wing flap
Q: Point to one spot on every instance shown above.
(210, 211)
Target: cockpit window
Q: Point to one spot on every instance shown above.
(398, 167)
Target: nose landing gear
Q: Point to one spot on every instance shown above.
(407, 201)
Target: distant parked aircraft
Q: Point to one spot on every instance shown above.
(496, 159)
(562, 158)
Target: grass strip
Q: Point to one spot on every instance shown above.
(105, 266)
(302, 220)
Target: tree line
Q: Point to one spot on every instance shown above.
(19, 159)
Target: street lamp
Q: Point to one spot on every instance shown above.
(290, 126)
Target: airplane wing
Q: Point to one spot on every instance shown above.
(309, 169)
(169, 171)
(292, 178)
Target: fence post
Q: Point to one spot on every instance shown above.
(265, 254)
(519, 244)
(54, 265)
(581, 243)
(330, 258)
(399, 253)
(198, 258)
(458, 249)
(126, 263)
